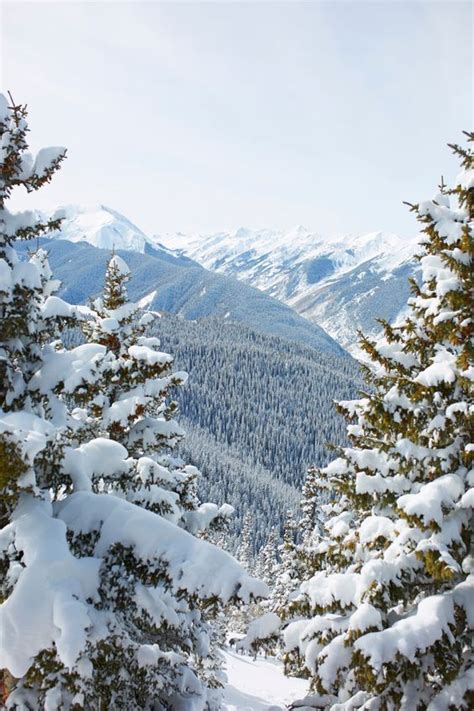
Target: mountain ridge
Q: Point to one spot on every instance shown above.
(180, 286)
(339, 282)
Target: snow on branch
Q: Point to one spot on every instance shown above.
(194, 565)
(48, 604)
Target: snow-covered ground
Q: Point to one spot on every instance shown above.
(259, 685)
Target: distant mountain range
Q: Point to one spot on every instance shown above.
(341, 283)
(165, 280)
(263, 376)
(257, 408)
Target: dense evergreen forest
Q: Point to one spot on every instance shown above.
(257, 411)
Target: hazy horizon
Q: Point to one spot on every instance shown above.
(202, 117)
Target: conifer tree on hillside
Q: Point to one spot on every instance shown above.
(30, 443)
(239, 617)
(130, 403)
(135, 380)
(286, 573)
(309, 503)
(105, 603)
(387, 609)
(245, 550)
(267, 559)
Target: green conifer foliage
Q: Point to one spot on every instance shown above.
(27, 321)
(286, 574)
(387, 606)
(130, 404)
(21, 289)
(33, 422)
(107, 598)
(135, 374)
(309, 502)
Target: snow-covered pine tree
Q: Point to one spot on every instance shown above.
(130, 403)
(105, 603)
(136, 377)
(276, 564)
(282, 577)
(245, 554)
(386, 617)
(238, 617)
(31, 423)
(267, 559)
(310, 500)
(286, 574)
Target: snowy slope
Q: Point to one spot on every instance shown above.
(166, 281)
(259, 685)
(341, 283)
(100, 226)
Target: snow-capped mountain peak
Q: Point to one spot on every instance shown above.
(341, 282)
(338, 281)
(297, 241)
(101, 227)
(282, 250)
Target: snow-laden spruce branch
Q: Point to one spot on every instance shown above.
(384, 612)
(108, 594)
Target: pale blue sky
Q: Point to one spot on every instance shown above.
(207, 116)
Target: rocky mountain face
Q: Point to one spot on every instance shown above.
(341, 283)
(164, 279)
